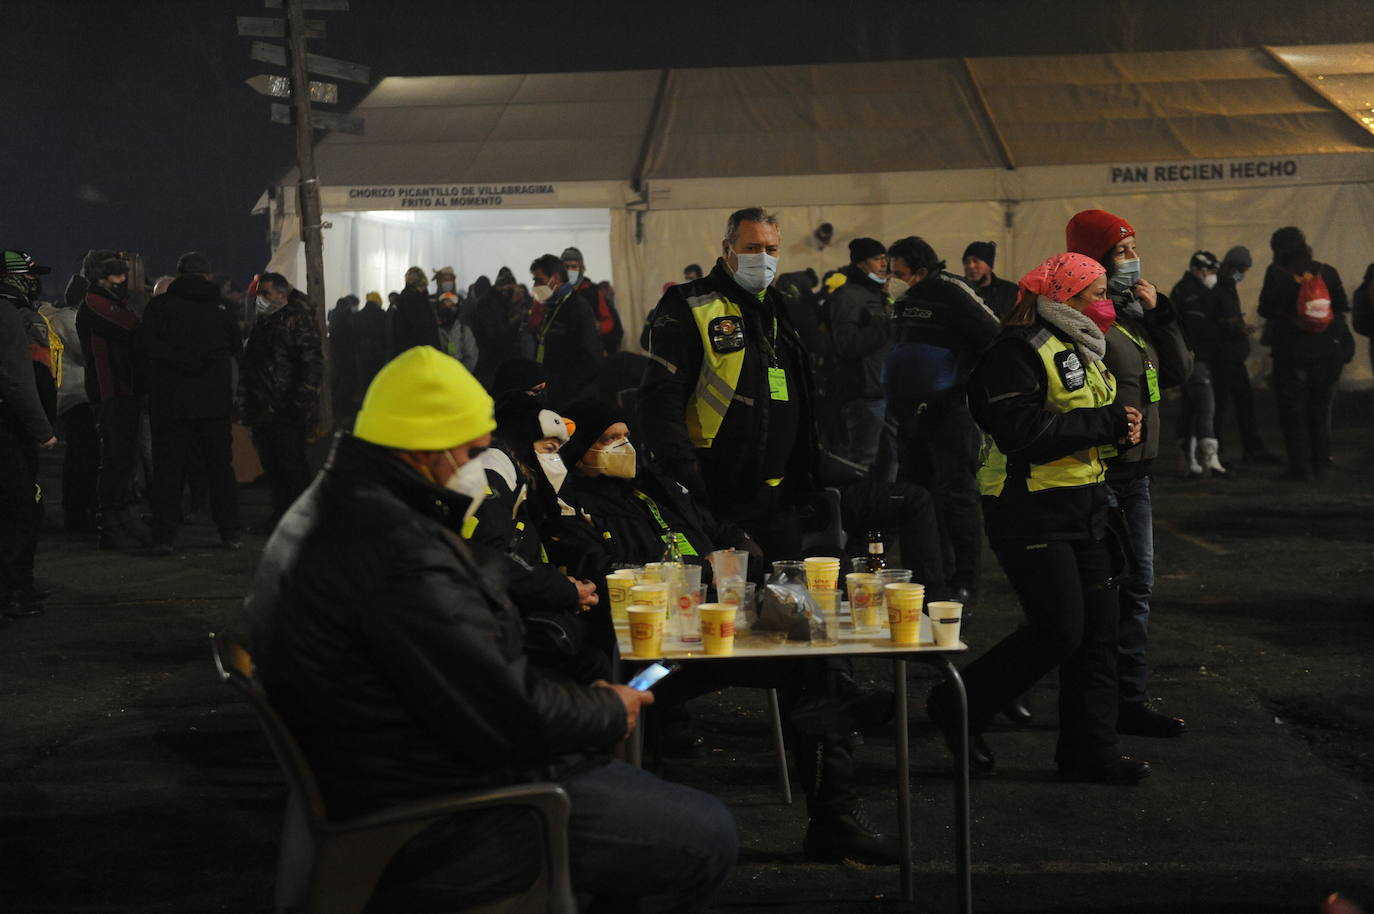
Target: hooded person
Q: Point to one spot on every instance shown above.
(1147, 353)
(1304, 305)
(189, 341)
(1197, 298)
(389, 647)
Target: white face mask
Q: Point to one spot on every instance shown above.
(1126, 275)
(574, 276)
(755, 271)
(876, 278)
(541, 294)
(897, 288)
(446, 286)
(618, 460)
(470, 479)
(264, 306)
(1210, 280)
(1237, 276)
(554, 470)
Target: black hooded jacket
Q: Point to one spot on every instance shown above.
(189, 339)
(388, 646)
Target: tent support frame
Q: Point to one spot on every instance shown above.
(990, 122)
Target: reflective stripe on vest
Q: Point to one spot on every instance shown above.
(1080, 468)
(719, 371)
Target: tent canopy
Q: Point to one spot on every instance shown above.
(859, 118)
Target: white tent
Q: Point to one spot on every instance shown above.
(1198, 149)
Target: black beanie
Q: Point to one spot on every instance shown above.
(520, 423)
(985, 251)
(592, 418)
(864, 248)
(517, 374)
(193, 262)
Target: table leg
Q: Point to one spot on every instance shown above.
(903, 777)
(962, 821)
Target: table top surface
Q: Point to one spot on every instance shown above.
(775, 644)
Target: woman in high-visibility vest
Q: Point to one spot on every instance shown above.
(1044, 401)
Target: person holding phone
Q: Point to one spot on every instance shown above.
(1046, 402)
(388, 646)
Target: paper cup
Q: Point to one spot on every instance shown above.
(717, 628)
(822, 572)
(618, 584)
(646, 629)
(904, 611)
(866, 607)
(945, 616)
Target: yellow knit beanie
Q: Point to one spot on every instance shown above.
(424, 400)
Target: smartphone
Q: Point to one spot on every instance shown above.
(645, 678)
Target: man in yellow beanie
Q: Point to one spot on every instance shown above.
(388, 646)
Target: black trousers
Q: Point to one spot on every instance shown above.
(281, 448)
(21, 506)
(938, 444)
(1305, 392)
(1231, 387)
(117, 420)
(80, 466)
(173, 442)
(1071, 608)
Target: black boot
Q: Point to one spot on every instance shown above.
(849, 838)
(981, 762)
(1137, 718)
(1018, 712)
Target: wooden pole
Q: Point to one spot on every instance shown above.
(312, 228)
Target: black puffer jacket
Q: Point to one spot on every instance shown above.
(282, 366)
(861, 323)
(389, 648)
(189, 339)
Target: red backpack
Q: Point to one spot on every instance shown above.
(1313, 314)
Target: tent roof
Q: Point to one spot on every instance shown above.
(859, 118)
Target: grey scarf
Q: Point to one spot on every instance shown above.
(1092, 345)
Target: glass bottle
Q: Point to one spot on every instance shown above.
(874, 561)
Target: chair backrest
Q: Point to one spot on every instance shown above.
(824, 530)
(235, 666)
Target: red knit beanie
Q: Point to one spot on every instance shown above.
(1094, 232)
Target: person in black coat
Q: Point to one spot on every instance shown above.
(189, 340)
(373, 350)
(567, 343)
(1307, 363)
(997, 293)
(412, 318)
(389, 648)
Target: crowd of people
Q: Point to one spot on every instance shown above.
(431, 612)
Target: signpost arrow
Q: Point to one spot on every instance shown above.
(262, 27)
(280, 87)
(321, 120)
(275, 54)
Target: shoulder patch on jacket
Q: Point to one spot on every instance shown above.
(1070, 369)
(726, 334)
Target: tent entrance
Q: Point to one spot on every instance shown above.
(371, 250)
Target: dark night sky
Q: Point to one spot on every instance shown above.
(127, 124)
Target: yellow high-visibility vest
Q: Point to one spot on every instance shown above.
(717, 318)
(1081, 468)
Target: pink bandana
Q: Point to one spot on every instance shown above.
(1061, 277)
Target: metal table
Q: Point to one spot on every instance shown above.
(849, 643)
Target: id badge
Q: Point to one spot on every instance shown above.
(777, 384)
(1152, 382)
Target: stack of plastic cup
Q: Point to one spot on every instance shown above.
(688, 620)
(618, 584)
(904, 603)
(866, 608)
(822, 573)
(653, 594)
(895, 575)
(739, 593)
